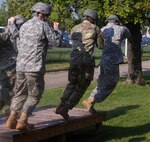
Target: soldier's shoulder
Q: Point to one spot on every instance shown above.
(32, 23)
(124, 27)
(103, 28)
(76, 28)
(88, 25)
(94, 26)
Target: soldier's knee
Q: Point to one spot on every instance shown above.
(84, 82)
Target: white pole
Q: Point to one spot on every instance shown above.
(126, 47)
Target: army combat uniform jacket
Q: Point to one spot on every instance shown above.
(34, 37)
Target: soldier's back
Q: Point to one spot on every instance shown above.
(7, 52)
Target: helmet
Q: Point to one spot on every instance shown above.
(19, 19)
(42, 8)
(91, 13)
(113, 17)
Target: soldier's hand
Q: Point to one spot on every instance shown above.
(11, 20)
(56, 25)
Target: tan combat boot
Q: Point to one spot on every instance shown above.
(89, 104)
(63, 111)
(22, 124)
(12, 120)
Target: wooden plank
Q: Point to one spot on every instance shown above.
(48, 124)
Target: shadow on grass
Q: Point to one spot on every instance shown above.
(116, 132)
(137, 139)
(120, 111)
(110, 133)
(147, 77)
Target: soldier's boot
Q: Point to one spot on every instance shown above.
(12, 120)
(23, 124)
(58, 108)
(89, 104)
(63, 111)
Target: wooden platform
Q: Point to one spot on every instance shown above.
(48, 124)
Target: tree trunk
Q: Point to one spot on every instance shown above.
(135, 75)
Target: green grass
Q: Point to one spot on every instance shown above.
(128, 114)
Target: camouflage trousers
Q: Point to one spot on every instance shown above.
(80, 77)
(7, 82)
(28, 90)
(107, 80)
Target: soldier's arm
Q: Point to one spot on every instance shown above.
(13, 31)
(100, 39)
(53, 36)
(127, 33)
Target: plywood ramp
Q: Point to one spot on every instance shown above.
(48, 124)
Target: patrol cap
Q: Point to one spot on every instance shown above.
(19, 19)
(42, 8)
(113, 17)
(91, 13)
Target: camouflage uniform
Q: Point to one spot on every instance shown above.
(111, 58)
(7, 69)
(8, 53)
(34, 37)
(84, 36)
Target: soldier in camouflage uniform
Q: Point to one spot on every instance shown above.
(7, 69)
(35, 34)
(111, 57)
(8, 60)
(85, 37)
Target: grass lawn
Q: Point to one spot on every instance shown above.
(128, 114)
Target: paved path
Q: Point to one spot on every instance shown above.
(59, 78)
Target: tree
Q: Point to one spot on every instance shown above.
(60, 12)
